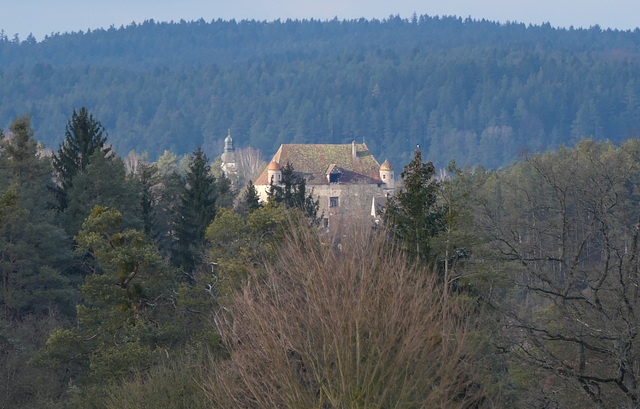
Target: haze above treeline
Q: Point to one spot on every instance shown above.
(478, 92)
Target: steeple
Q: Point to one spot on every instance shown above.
(228, 143)
(229, 155)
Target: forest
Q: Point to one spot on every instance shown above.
(503, 273)
(128, 283)
(475, 91)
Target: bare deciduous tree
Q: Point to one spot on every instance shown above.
(346, 325)
(250, 162)
(564, 230)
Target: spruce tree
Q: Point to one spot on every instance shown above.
(83, 137)
(412, 216)
(250, 199)
(197, 211)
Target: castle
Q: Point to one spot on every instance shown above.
(346, 179)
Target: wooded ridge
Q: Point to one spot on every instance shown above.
(475, 91)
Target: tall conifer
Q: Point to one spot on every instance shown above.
(197, 210)
(84, 136)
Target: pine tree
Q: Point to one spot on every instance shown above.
(83, 137)
(124, 315)
(32, 251)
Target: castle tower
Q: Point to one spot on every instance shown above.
(229, 156)
(387, 175)
(274, 173)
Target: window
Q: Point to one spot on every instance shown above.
(333, 201)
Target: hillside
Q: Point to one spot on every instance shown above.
(474, 91)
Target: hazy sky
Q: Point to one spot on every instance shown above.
(42, 17)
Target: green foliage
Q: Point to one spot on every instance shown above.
(412, 216)
(32, 247)
(197, 210)
(238, 243)
(291, 192)
(84, 137)
(476, 91)
(124, 317)
(249, 199)
(103, 182)
(25, 386)
(21, 151)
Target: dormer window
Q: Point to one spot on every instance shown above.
(333, 173)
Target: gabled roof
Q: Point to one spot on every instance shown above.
(314, 161)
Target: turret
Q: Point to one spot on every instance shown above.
(387, 175)
(274, 173)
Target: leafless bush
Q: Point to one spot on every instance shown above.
(344, 326)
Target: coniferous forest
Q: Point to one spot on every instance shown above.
(503, 273)
(475, 91)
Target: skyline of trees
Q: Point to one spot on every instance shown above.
(474, 91)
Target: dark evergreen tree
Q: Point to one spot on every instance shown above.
(197, 211)
(412, 216)
(164, 215)
(32, 248)
(103, 182)
(149, 180)
(21, 152)
(250, 199)
(83, 137)
(292, 193)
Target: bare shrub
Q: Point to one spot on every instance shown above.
(346, 325)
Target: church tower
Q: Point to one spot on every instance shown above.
(229, 156)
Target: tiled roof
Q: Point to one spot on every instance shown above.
(313, 162)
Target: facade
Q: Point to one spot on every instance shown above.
(345, 178)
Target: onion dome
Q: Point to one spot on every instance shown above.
(386, 166)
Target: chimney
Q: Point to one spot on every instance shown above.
(353, 149)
